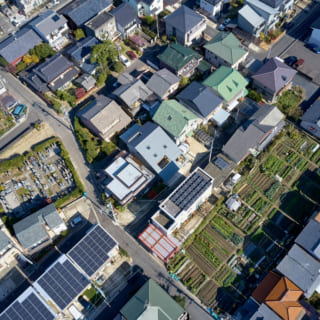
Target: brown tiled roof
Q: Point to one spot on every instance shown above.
(265, 287)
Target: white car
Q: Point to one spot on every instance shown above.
(125, 60)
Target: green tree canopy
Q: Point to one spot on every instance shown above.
(104, 53)
(79, 34)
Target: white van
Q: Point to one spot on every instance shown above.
(125, 60)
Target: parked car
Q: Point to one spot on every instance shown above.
(132, 55)
(290, 61)
(313, 47)
(125, 60)
(221, 27)
(227, 21)
(299, 63)
(75, 221)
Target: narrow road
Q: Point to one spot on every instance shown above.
(153, 268)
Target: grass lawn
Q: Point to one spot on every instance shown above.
(93, 296)
(289, 103)
(6, 122)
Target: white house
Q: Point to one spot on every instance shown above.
(183, 201)
(29, 5)
(214, 7)
(52, 28)
(146, 7)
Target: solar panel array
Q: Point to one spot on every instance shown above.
(186, 194)
(31, 308)
(91, 253)
(63, 283)
(221, 164)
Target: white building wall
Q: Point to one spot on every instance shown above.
(57, 230)
(214, 10)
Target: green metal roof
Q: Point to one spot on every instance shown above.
(177, 56)
(226, 81)
(226, 46)
(151, 302)
(204, 66)
(173, 117)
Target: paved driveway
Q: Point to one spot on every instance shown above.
(311, 66)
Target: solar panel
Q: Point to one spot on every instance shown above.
(221, 164)
(28, 306)
(92, 252)
(63, 282)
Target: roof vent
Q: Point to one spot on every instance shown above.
(169, 118)
(284, 78)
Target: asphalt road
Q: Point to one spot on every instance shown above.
(152, 267)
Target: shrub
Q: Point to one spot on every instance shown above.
(35, 58)
(80, 93)
(101, 78)
(254, 95)
(164, 38)
(21, 66)
(79, 34)
(42, 51)
(3, 62)
(149, 20)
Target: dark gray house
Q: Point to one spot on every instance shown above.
(54, 74)
(81, 11)
(80, 54)
(202, 101)
(185, 24)
(273, 77)
(103, 27)
(255, 134)
(32, 231)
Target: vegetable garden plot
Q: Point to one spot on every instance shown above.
(208, 292)
(225, 276)
(192, 277)
(201, 261)
(262, 181)
(310, 188)
(296, 206)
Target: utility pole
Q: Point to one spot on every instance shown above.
(157, 26)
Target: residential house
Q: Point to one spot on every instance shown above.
(39, 229)
(155, 149)
(103, 27)
(54, 74)
(229, 84)
(204, 103)
(272, 78)
(27, 6)
(80, 54)
(180, 60)
(309, 237)
(15, 47)
(152, 302)
(213, 7)
(255, 134)
(163, 83)
(250, 21)
(126, 20)
(225, 49)
(81, 11)
(302, 269)
(86, 81)
(104, 117)
(269, 10)
(126, 178)
(278, 298)
(52, 28)
(185, 25)
(132, 95)
(183, 201)
(146, 7)
(310, 121)
(177, 120)
(315, 34)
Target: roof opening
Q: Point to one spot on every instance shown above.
(284, 78)
(169, 118)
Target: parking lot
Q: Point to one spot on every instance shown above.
(311, 66)
(43, 175)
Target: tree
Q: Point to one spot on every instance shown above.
(149, 20)
(21, 66)
(43, 51)
(104, 54)
(101, 77)
(35, 58)
(183, 82)
(254, 95)
(80, 93)
(27, 59)
(79, 34)
(117, 67)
